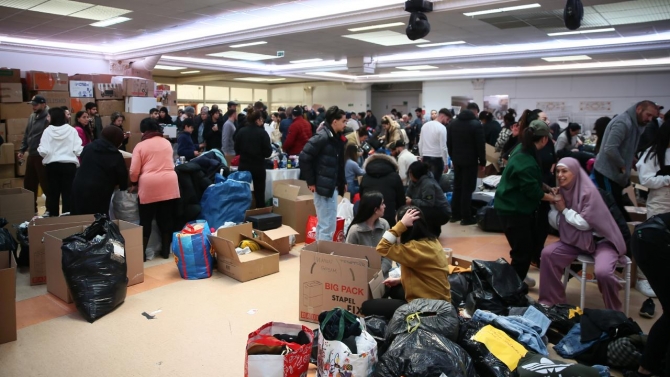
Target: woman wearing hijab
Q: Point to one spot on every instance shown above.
(102, 168)
(152, 174)
(586, 227)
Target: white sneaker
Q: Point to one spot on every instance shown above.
(644, 288)
(530, 282)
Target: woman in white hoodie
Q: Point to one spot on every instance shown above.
(60, 148)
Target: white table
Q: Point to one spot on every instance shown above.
(278, 175)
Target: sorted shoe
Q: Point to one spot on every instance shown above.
(530, 282)
(644, 288)
(648, 308)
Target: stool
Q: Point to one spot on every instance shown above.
(584, 261)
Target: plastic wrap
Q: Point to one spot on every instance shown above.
(461, 286)
(23, 257)
(126, 207)
(227, 200)
(95, 268)
(425, 354)
(434, 316)
(484, 362)
(7, 242)
(496, 287)
(376, 326)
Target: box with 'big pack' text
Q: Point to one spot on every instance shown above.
(334, 274)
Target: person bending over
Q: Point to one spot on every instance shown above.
(425, 193)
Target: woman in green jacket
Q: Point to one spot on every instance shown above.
(519, 194)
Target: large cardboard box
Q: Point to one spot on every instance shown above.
(7, 171)
(106, 120)
(10, 75)
(107, 108)
(53, 241)
(279, 238)
(7, 154)
(637, 213)
(11, 92)
(134, 87)
(15, 110)
(142, 73)
(54, 99)
(132, 121)
(108, 91)
(7, 297)
(81, 89)
(96, 79)
(493, 157)
(16, 126)
(79, 104)
(334, 274)
(17, 205)
(36, 230)
(16, 140)
(57, 82)
(3, 130)
(243, 267)
(169, 99)
(140, 104)
(293, 200)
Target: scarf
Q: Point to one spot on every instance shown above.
(149, 134)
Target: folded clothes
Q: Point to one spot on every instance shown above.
(525, 331)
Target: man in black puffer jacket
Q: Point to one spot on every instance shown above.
(381, 174)
(322, 166)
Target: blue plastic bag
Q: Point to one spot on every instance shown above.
(193, 251)
(227, 200)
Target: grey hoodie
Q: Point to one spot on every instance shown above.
(37, 123)
(361, 234)
(617, 150)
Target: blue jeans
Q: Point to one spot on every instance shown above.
(326, 212)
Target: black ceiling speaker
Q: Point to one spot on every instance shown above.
(418, 26)
(573, 14)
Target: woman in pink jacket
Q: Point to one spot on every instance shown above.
(152, 173)
(83, 128)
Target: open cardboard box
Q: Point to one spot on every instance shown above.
(637, 213)
(334, 274)
(243, 267)
(295, 203)
(53, 241)
(278, 238)
(7, 297)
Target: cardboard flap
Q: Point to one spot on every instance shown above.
(285, 191)
(279, 233)
(334, 267)
(61, 220)
(233, 233)
(224, 249)
(258, 211)
(377, 287)
(370, 254)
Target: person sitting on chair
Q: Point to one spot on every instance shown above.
(587, 228)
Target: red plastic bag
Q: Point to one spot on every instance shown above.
(310, 230)
(235, 161)
(293, 364)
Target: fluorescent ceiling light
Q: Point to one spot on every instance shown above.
(259, 79)
(384, 38)
(243, 55)
(582, 32)
(382, 26)
(187, 72)
(168, 67)
(61, 7)
(331, 74)
(417, 67)
(111, 21)
(305, 61)
(567, 58)
(24, 4)
(442, 44)
(100, 13)
(249, 44)
(499, 10)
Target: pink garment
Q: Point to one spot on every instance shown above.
(583, 197)
(85, 140)
(153, 168)
(559, 255)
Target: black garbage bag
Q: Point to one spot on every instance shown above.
(461, 287)
(496, 287)
(434, 316)
(563, 317)
(7, 242)
(376, 326)
(23, 257)
(95, 268)
(485, 363)
(425, 354)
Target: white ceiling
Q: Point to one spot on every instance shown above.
(314, 35)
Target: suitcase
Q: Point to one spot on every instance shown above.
(488, 220)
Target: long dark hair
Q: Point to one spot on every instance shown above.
(600, 126)
(85, 127)
(419, 230)
(528, 140)
(660, 144)
(486, 116)
(523, 121)
(571, 127)
(367, 207)
(510, 118)
(418, 169)
(351, 152)
(57, 116)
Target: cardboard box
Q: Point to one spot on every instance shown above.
(493, 157)
(15, 110)
(7, 297)
(17, 205)
(3, 130)
(16, 126)
(57, 82)
(78, 104)
(461, 261)
(54, 99)
(10, 75)
(107, 108)
(36, 230)
(168, 99)
(140, 104)
(53, 241)
(132, 121)
(11, 92)
(142, 73)
(7, 154)
(96, 79)
(336, 275)
(106, 120)
(7, 171)
(134, 87)
(8, 183)
(16, 140)
(279, 238)
(637, 213)
(81, 89)
(293, 200)
(108, 91)
(243, 267)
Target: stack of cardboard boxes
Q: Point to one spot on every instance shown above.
(14, 113)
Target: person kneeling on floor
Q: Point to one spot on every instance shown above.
(586, 227)
(424, 268)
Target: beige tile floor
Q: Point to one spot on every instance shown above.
(203, 326)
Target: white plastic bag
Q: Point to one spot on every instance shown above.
(335, 358)
(126, 207)
(345, 210)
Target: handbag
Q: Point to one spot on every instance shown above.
(313, 222)
(292, 364)
(336, 359)
(193, 251)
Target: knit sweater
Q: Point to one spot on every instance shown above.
(423, 265)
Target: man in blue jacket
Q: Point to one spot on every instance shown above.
(185, 146)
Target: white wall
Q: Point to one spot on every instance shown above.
(322, 93)
(50, 63)
(384, 102)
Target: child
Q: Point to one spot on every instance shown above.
(185, 146)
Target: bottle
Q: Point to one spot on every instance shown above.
(284, 162)
(276, 165)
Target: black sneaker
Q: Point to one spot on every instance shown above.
(471, 221)
(648, 308)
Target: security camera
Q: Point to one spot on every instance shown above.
(418, 26)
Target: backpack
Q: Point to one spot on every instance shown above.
(573, 14)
